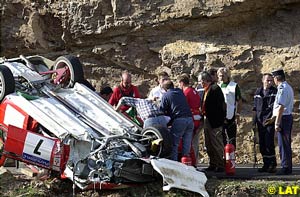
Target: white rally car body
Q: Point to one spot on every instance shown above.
(50, 119)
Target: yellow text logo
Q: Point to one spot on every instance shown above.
(288, 190)
(284, 190)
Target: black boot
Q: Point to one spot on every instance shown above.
(272, 169)
(263, 169)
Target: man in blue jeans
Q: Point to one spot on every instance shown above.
(174, 104)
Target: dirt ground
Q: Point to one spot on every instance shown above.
(16, 184)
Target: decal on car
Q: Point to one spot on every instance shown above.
(38, 149)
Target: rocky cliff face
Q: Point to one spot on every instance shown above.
(146, 36)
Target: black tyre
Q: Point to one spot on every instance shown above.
(88, 85)
(7, 82)
(154, 133)
(74, 70)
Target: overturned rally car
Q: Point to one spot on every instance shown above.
(49, 118)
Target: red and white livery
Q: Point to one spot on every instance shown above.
(50, 118)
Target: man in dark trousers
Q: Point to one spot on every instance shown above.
(282, 113)
(262, 110)
(174, 104)
(214, 110)
(233, 100)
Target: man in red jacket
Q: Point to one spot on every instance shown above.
(193, 99)
(124, 89)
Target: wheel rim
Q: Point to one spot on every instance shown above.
(67, 76)
(150, 133)
(153, 136)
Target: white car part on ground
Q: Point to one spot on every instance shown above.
(178, 175)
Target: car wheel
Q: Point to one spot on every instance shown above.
(155, 133)
(74, 70)
(7, 82)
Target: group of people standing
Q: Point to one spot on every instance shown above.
(273, 114)
(215, 107)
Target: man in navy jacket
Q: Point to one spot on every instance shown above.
(175, 105)
(262, 110)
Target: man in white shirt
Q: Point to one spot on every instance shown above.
(157, 92)
(233, 100)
